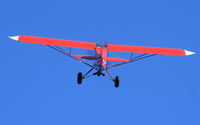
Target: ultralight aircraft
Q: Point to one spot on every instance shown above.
(101, 54)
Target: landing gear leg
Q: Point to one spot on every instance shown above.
(116, 80)
(80, 76)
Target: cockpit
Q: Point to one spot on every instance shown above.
(101, 45)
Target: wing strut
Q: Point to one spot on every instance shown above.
(142, 56)
(59, 49)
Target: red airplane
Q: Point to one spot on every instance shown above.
(101, 57)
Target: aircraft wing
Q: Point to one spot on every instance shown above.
(148, 50)
(55, 42)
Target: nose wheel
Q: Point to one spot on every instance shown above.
(116, 80)
(79, 78)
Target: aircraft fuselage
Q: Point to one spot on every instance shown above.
(101, 52)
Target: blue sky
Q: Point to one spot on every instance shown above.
(38, 85)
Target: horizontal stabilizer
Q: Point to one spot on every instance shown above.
(116, 59)
(89, 57)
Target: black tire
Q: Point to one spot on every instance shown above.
(117, 81)
(79, 78)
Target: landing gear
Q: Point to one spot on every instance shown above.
(116, 81)
(79, 78)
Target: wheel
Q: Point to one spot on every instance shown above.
(117, 81)
(79, 78)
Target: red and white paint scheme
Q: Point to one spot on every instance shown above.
(101, 57)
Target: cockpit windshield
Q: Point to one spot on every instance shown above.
(100, 45)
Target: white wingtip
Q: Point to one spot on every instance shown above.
(189, 53)
(14, 37)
